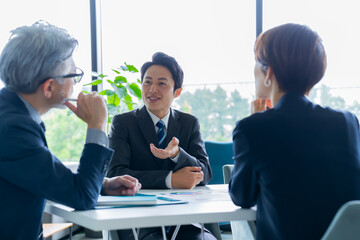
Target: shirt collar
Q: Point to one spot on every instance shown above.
(33, 113)
(155, 119)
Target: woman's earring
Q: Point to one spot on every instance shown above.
(267, 82)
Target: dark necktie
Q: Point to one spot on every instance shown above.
(161, 133)
(43, 126)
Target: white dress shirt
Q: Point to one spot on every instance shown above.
(165, 119)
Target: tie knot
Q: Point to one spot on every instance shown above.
(160, 124)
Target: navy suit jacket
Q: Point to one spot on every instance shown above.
(131, 134)
(30, 174)
(298, 162)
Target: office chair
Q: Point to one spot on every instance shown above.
(346, 223)
(220, 153)
(239, 229)
(50, 229)
(227, 170)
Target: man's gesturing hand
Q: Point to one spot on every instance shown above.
(171, 151)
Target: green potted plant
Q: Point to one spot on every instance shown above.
(123, 89)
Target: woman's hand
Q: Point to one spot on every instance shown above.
(260, 104)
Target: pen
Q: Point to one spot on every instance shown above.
(70, 99)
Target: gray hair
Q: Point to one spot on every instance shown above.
(33, 54)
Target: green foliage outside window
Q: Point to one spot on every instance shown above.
(216, 110)
(65, 134)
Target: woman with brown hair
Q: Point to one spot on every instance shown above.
(298, 161)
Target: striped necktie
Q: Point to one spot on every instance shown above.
(161, 133)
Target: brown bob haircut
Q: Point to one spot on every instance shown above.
(296, 55)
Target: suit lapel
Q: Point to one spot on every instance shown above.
(174, 126)
(14, 99)
(147, 127)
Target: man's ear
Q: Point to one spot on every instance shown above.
(48, 88)
(177, 92)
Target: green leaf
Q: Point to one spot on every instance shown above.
(120, 96)
(120, 79)
(107, 92)
(86, 92)
(131, 68)
(112, 109)
(124, 68)
(109, 81)
(113, 99)
(101, 76)
(117, 100)
(69, 113)
(110, 105)
(135, 90)
(120, 90)
(130, 106)
(128, 99)
(97, 82)
(129, 103)
(116, 71)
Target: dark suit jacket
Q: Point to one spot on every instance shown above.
(130, 136)
(30, 174)
(298, 162)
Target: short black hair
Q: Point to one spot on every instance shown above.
(170, 63)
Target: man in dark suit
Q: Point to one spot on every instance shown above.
(160, 146)
(38, 71)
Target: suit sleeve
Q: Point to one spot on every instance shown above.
(27, 163)
(195, 154)
(119, 140)
(243, 185)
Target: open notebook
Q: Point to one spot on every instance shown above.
(137, 200)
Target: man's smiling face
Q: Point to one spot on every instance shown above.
(158, 90)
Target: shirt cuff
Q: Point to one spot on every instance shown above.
(102, 191)
(168, 180)
(97, 136)
(176, 158)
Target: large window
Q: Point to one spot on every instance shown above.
(337, 24)
(65, 134)
(212, 40)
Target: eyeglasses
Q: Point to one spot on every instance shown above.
(75, 76)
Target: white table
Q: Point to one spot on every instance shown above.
(207, 204)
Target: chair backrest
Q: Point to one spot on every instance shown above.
(227, 170)
(346, 223)
(220, 153)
